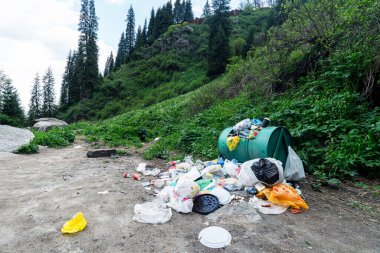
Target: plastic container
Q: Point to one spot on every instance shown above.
(269, 142)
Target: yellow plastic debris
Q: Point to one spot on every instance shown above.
(76, 224)
(232, 142)
(285, 195)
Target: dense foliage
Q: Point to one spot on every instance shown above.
(316, 72)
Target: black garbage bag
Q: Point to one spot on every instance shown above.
(266, 171)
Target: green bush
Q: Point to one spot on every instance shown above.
(30, 148)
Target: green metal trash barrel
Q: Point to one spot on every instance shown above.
(270, 142)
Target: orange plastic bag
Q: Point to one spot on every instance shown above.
(285, 195)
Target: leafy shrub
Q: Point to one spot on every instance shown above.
(30, 148)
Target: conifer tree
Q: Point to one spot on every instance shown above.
(130, 32)
(121, 52)
(188, 13)
(109, 65)
(112, 63)
(64, 98)
(178, 12)
(10, 104)
(139, 38)
(151, 26)
(219, 38)
(74, 87)
(206, 10)
(35, 100)
(87, 49)
(145, 33)
(48, 107)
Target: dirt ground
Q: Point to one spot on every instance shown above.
(38, 193)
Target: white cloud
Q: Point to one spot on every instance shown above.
(117, 2)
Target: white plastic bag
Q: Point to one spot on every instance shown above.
(246, 176)
(152, 212)
(181, 206)
(165, 194)
(153, 172)
(231, 168)
(242, 125)
(294, 170)
(141, 167)
(186, 188)
(267, 207)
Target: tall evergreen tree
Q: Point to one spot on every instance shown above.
(10, 104)
(151, 27)
(121, 52)
(130, 32)
(139, 38)
(178, 12)
(188, 13)
(109, 65)
(219, 38)
(72, 78)
(87, 58)
(206, 10)
(35, 100)
(145, 33)
(48, 107)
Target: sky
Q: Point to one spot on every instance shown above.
(37, 34)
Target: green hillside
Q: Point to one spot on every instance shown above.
(312, 67)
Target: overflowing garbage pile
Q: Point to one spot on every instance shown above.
(203, 187)
(247, 129)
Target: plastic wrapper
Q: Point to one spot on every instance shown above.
(294, 170)
(266, 207)
(231, 168)
(230, 184)
(181, 206)
(233, 142)
(76, 224)
(242, 125)
(141, 167)
(285, 195)
(152, 212)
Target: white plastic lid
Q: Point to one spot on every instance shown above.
(215, 237)
(223, 195)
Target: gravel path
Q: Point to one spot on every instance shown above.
(38, 193)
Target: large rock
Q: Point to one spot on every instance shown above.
(45, 124)
(11, 138)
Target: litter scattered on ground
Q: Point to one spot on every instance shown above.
(215, 237)
(154, 212)
(103, 193)
(225, 190)
(76, 224)
(235, 213)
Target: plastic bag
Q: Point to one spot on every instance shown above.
(294, 170)
(165, 194)
(284, 195)
(76, 224)
(242, 125)
(266, 207)
(230, 184)
(153, 172)
(152, 212)
(233, 142)
(186, 188)
(181, 206)
(141, 167)
(231, 168)
(268, 171)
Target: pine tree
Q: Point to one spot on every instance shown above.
(73, 84)
(109, 65)
(206, 10)
(219, 38)
(87, 49)
(178, 12)
(151, 26)
(48, 107)
(35, 100)
(145, 33)
(121, 52)
(139, 38)
(112, 63)
(188, 13)
(10, 104)
(130, 32)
